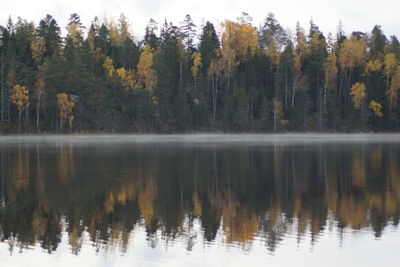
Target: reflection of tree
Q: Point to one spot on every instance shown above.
(358, 171)
(242, 192)
(65, 163)
(20, 170)
(146, 198)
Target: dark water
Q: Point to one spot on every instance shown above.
(200, 200)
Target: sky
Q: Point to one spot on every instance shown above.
(356, 15)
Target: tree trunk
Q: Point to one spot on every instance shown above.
(320, 103)
(229, 74)
(180, 72)
(26, 117)
(9, 109)
(387, 82)
(19, 121)
(214, 88)
(293, 93)
(286, 87)
(38, 111)
(2, 89)
(251, 114)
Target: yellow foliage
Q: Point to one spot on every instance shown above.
(331, 71)
(373, 65)
(284, 123)
(119, 32)
(109, 67)
(75, 33)
(196, 63)
(240, 38)
(147, 76)
(352, 52)
(20, 97)
(317, 42)
(357, 93)
(297, 61)
(273, 52)
(196, 102)
(65, 108)
(38, 47)
(128, 78)
(392, 92)
(390, 64)
(376, 108)
(301, 46)
(216, 68)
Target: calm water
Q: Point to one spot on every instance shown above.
(202, 200)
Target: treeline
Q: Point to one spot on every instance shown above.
(187, 78)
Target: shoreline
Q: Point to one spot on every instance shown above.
(204, 138)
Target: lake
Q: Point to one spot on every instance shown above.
(200, 200)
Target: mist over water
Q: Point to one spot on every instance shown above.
(205, 139)
(200, 199)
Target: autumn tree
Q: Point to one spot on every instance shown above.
(299, 53)
(215, 74)
(277, 113)
(65, 108)
(389, 67)
(238, 42)
(127, 78)
(40, 86)
(357, 93)
(392, 92)
(146, 73)
(331, 71)
(351, 55)
(196, 56)
(20, 98)
(376, 108)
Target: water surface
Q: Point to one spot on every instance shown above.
(215, 200)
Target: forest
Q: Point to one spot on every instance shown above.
(232, 77)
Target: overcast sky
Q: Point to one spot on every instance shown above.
(356, 15)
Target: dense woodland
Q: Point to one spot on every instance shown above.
(232, 77)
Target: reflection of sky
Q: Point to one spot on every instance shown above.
(357, 248)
